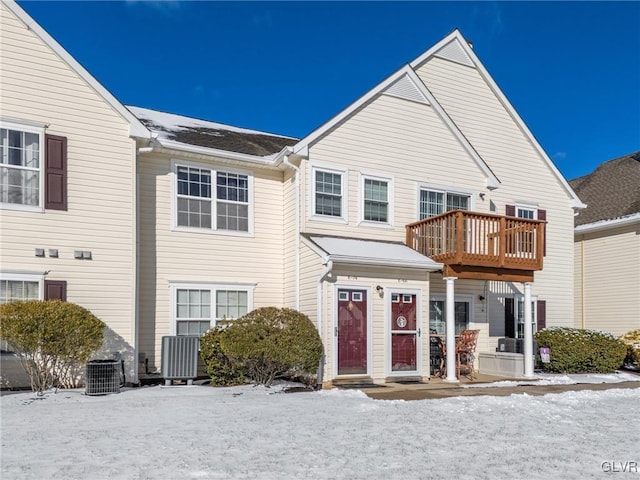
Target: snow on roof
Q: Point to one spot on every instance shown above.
(371, 252)
(203, 133)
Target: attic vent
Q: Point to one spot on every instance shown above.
(453, 51)
(405, 88)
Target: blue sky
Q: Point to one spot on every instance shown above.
(571, 69)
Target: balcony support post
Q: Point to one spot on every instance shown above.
(450, 331)
(528, 332)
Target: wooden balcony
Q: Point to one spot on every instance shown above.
(481, 246)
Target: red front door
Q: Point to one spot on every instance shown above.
(404, 333)
(352, 332)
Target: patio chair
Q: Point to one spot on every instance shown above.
(466, 352)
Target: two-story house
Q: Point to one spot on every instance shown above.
(350, 225)
(67, 183)
(424, 208)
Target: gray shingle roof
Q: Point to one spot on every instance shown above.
(203, 133)
(611, 191)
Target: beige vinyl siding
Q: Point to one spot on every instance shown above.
(609, 273)
(291, 252)
(168, 255)
(37, 86)
(310, 269)
(395, 138)
(524, 176)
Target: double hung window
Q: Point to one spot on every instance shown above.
(376, 200)
(20, 165)
(200, 307)
(212, 200)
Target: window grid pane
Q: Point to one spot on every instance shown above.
(231, 304)
(194, 197)
(431, 203)
(457, 202)
(193, 307)
(328, 194)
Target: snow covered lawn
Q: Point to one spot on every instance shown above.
(256, 433)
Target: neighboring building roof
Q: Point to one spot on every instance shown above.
(136, 129)
(202, 133)
(612, 191)
(368, 252)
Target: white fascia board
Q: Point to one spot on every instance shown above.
(576, 202)
(136, 128)
(268, 161)
(607, 224)
(378, 262)
(492, 181)
(303, 145)
(315, 248)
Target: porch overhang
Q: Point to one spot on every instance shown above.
(356, 251)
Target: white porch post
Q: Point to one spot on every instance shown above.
(450, 331)
(528, 332)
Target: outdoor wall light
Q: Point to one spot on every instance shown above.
(380, 290)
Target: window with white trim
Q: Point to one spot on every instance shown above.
(200, 307)
(20, 165)
(434, 202)
(461, 311)
(201, 205)
(526, 212)
(375, 199)
(329, 193)
(20, 287)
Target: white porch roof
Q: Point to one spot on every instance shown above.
(369, 252)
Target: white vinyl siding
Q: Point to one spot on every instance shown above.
(201, 205)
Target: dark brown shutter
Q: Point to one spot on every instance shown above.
(55, 171)
(509, 318)
(542, 215)
(510, 210)
(55, 290)
(542, 314)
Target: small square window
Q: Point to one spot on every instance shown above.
(343, 296)
(407, 298)
(356, 296)
(395, 298)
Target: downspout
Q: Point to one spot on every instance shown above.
(582, 314)
(296, 176)
(324, 274)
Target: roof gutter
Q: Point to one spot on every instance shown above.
(607, 224)
(381, 262)
(268, 161)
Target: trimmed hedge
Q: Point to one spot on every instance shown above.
(632, 341)
(269, 342)
(52, 339)
(575, 350)
(221, 370)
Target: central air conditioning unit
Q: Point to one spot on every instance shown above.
(180, 358)
(104, 377)
(506, 345)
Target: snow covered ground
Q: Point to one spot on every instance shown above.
(199, 432)
(542, 379)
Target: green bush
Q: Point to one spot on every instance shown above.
(581, 351)
(632, 341)
(52, 338)
(270, 342)
(221, 370)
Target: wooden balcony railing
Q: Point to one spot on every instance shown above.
(480, 240)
